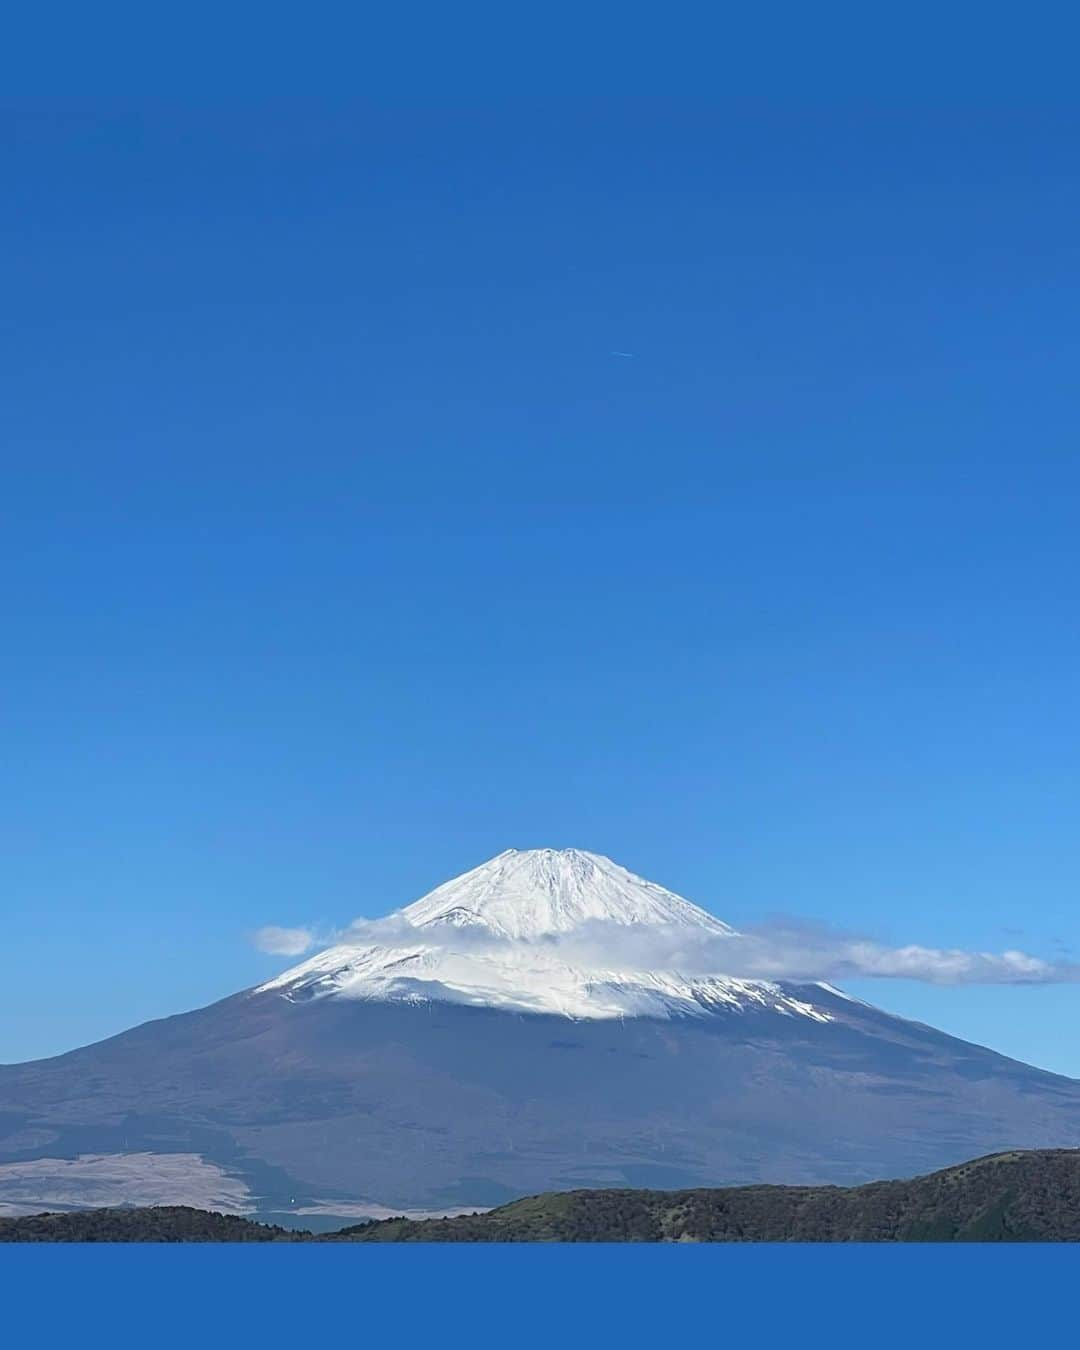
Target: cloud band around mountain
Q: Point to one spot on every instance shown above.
(781, 950)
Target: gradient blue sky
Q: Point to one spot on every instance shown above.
(339, 552)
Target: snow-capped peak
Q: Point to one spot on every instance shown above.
(538, 931)
(542, 891)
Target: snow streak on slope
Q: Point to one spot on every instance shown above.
(506, 935)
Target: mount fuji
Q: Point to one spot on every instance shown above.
(546, 1021)
(540, 931)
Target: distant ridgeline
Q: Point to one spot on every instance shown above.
(1008, 1197)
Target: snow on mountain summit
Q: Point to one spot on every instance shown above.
(542, 931)
(543, 891)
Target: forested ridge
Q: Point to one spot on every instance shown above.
(1009, 1197)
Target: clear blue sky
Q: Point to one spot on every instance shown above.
(340, 552)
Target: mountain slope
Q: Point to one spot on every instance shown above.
(330, 1095)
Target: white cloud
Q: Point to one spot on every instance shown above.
(783, 949)
(788, 950)
(283, 941)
